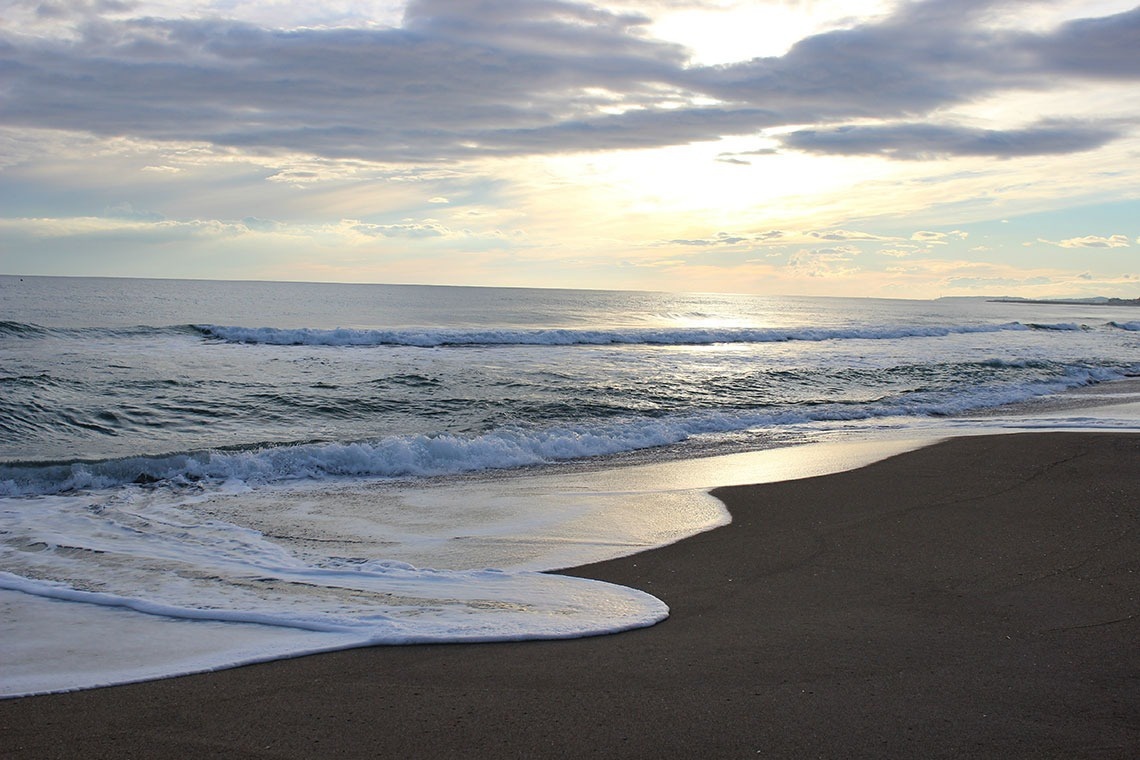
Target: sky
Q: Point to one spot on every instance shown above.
(886, 148)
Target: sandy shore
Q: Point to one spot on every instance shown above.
(978, 598)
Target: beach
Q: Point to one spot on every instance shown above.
(974, 598)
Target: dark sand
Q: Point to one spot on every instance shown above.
(975, 599)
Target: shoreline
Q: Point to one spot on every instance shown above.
(900, 609)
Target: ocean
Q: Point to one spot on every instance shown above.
(196, 474)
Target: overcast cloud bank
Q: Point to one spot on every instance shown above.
(511, 77)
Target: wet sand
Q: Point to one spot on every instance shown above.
(977, 598)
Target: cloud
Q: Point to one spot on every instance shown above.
(1104, 48)
(824, 262)
(844, 235)
(342, 234)
(725, 238)
(127, 211)
(256, 224)
(984, 283)
(735, 157)
(938, 238)
(518, 77)
(917, 142)
(457, 79)
(406, 230)
(658, 264)
(928, 55)
(140, 228)
(1092, 241)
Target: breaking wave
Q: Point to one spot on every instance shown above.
(432, 337)
(441, 337)
(417, 455)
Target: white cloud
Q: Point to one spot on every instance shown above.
(121, 225)
(938, 238)
(405, 230)
(824, 262)
(845, 235)
(1091, 241)
(732, 239)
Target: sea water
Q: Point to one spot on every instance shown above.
(197, 474)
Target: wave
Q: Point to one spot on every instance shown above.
(438, 337)
(417, 455)
(451, 337)
(21, 330)
(27, 330)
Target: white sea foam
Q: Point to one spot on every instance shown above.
(149, 554)
(174, 588)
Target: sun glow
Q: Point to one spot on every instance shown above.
(719, 182)
(739, 31)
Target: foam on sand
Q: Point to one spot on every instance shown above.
(152, 589)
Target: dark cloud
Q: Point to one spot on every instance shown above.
(1104, 48)
(637, 129)
(60, 9)
(929, 54)
(926, 141)
(459, 78)
(516, 77)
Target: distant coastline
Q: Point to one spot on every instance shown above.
(1073, 301)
